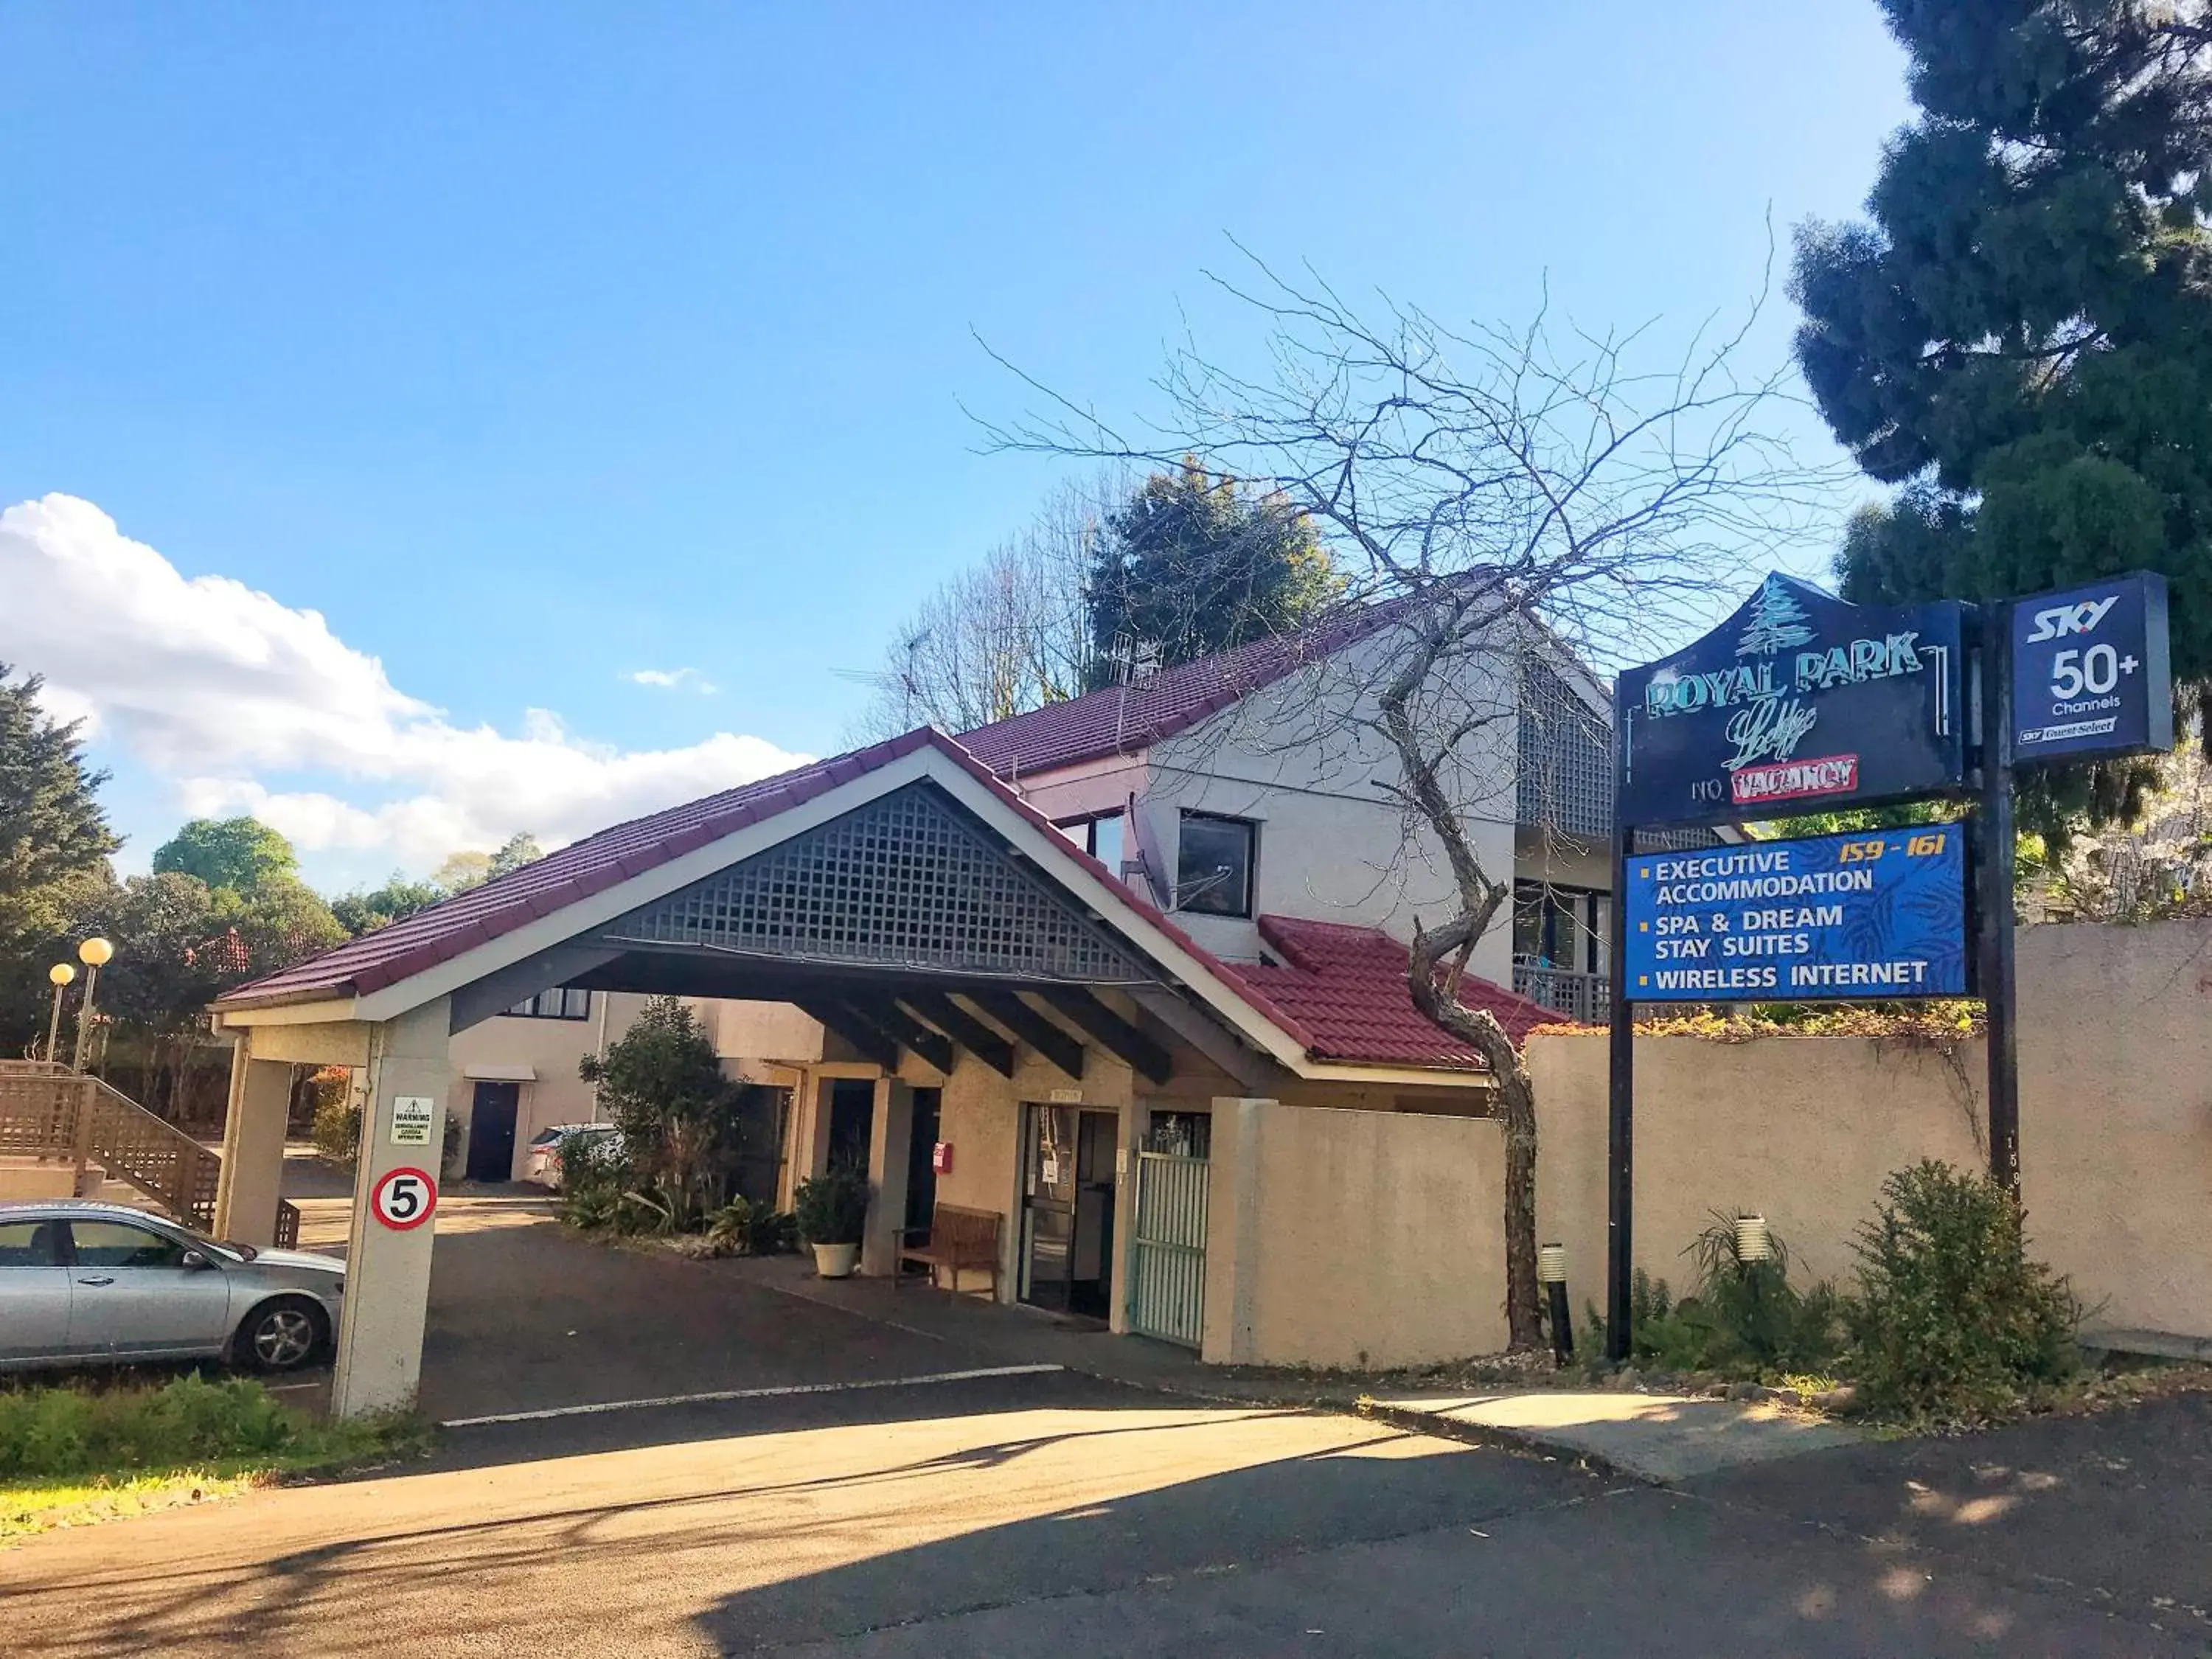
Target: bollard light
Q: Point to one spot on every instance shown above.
(1552, 1265)
(1752, 1242)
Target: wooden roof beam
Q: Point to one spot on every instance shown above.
(964, 1028)
(1111, 1032)
(1024, 1022)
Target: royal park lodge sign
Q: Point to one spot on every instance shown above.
(1797, 703)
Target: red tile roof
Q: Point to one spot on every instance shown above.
(1347, 987)
(1123, 718)
(1344, 998)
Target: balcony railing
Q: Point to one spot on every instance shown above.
(1580, 996)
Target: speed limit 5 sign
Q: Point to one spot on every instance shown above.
(402, 1198)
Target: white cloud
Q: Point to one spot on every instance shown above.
(218, 688)
(671, 679)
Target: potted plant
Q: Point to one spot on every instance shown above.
(833, 1210)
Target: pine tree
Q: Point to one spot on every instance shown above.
(2021, 338)
(1777, 622)
(54, 843)
(1192, 565)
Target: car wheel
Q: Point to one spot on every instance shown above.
(283, 1335)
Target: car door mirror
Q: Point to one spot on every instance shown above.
(194, 1259)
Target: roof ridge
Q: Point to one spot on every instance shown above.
(1117, 718)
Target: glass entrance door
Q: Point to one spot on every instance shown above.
(1067, 1208)
(1048, 1189)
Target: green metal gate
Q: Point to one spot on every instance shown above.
(1167, 1298)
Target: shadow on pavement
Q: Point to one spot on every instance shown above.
(2117, 1503)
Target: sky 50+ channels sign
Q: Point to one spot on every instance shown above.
(1880, 914)
(2089, 671)
(1798, 697)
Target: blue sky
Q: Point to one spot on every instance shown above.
(533, 346)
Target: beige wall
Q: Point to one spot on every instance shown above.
(1331, 848)
(774, 1032)
(2116, 1116)
(548, 1049)
(2115, 1129)
(1800, 1130)
(1352, 1238)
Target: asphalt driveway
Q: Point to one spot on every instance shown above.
(523, 1317)
(845, 1508)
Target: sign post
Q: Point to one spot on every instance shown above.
(1993, 817)
(1801, 702)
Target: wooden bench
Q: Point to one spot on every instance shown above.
(956, 1237)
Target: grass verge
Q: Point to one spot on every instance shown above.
(72, 1455)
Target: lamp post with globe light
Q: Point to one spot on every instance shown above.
(61, 974)
(94, 953)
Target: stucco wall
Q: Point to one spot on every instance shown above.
(2116, 1116)
(776, 1033)
(2116, 1128)
(1332, 846)
(978, 1114)
(1799, 1129)
(550, 1048)
(1350, 1238)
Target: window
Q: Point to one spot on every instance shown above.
(30, 1244)
(1559, 927)
(563, 1002)
(119, 1244)
(1185, 1134)
(1103, 837)
(1213, 865)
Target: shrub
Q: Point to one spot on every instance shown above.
(662, 1084)
(1743, 1316)
(595, 1176)
(742, 1227)
(189, 1421)
(833, 1207)
(1952, 1315)
(337, 1128)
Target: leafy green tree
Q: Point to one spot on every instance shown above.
(366, 909)
(180, 945)
(468, 868)
(54, 846)
(238, 855)
(1192, 564)
(517, 850)
(2021, 337)
(662, 1087)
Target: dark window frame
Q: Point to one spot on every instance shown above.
(1587, 920)
(1251, 887)
(529, 1008)
(1082, 832)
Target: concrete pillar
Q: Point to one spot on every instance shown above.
(253, 1146)
(890, 1136)
(1232, 1231)
(1127, 1142)
(814, 1137)
(387, 1296)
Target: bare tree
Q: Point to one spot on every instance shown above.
(1008, 634)
(1522, 497)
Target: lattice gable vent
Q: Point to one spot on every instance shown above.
(907, 881)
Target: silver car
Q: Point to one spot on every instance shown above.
(103, 1284)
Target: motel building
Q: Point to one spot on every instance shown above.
(1125, 976)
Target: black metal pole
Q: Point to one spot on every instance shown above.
(1563, 1323)
(1995, 821)
(1620, 1114)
